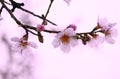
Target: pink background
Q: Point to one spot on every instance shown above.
(83, 62)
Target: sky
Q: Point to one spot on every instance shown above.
(82, 62)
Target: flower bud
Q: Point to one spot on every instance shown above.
(40, 28)
(74, 27)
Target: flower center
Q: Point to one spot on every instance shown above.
(23, 43)
(65, 39)
(107, 32)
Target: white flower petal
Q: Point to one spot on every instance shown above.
(109, 40)
(32, 44)
(70, 32)
(103, 21)
(56, 43)
(113, 32)
(95, 42)
(65, 48)
(59, 34)
(73, 42)
(16, 48)
(100, 39)
(111, 25)
(15, 39)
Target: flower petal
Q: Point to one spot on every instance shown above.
(59, 34)
(95, 42)
(65, 48)
(16, 48)
(73, 42)
(100, 39)
(32, 44)
(113, 32)
(15, 39)
(70, 32)
(56, 43)
(103, 21)
(109, 40)
(111, 24)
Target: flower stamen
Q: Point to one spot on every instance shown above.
(65, 39)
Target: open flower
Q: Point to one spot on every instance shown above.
(21, 44)
(66, 39)
(108, 30)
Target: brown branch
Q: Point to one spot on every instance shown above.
(30, 12)
(11, 14)
(37, 16)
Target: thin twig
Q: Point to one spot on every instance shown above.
(30, 12)
(51, 1)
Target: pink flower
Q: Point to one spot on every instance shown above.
(67, 1)
(66, 39)
(108, 30)
(40, 28)
(21, 44)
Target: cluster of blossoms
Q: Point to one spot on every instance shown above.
(106, 29)
(69, 38)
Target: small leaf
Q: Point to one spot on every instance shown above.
(40, 37)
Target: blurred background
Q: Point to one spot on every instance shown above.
(47, 62)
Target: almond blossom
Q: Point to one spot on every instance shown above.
(108, 30)
(65, 39)
(21, 44)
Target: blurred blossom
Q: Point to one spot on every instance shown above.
(95, 41)
(74, 27)
(40, 28)
(66, 39)
(109, 34)
(25, 18)
(108, 30)
(67, 1)
(21, 44)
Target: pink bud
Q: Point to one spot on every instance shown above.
(40, 28)
(74, 27)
